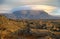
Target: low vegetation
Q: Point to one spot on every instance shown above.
(29, 29)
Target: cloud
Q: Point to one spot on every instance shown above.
(5, 9)
(35, 7)
(23, 2)
(10, 4)
(55, 12)
(10, 9)
(49, 9)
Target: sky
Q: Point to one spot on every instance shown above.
(7, 5)
(24, 2)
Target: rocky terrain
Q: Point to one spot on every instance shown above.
(29, 29)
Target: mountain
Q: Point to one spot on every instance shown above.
(30, 14)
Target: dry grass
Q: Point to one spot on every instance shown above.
(24, 29)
